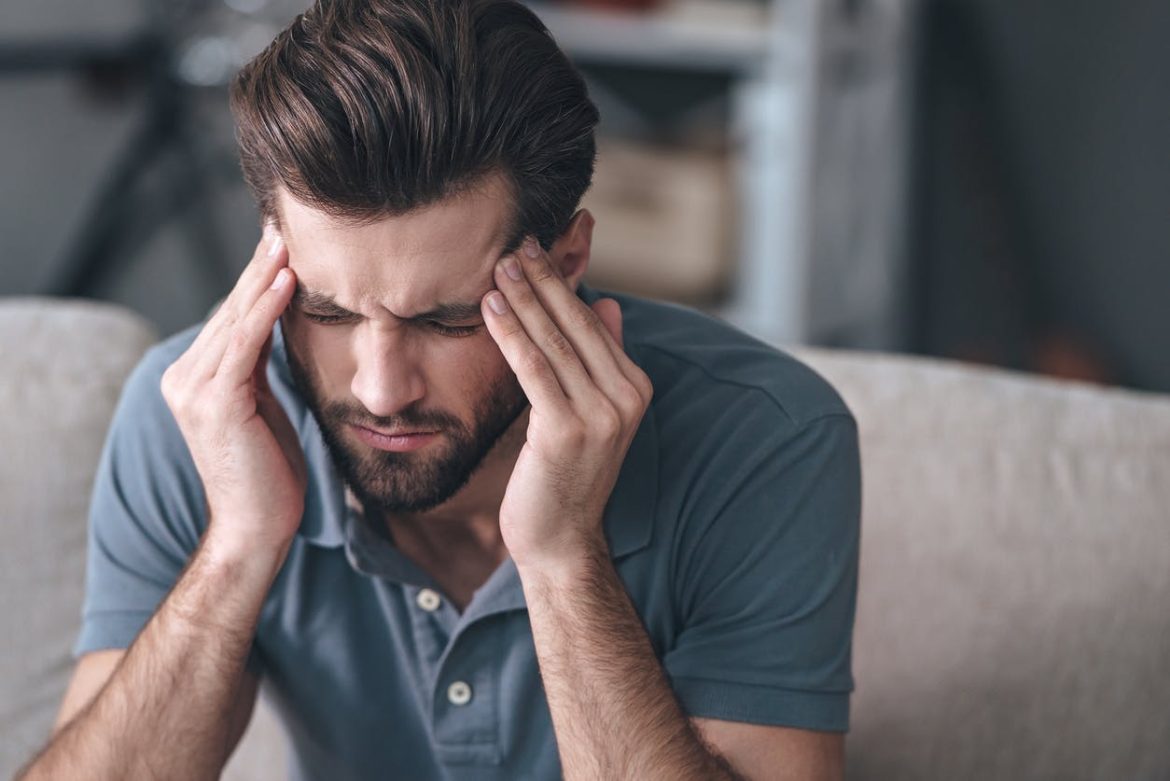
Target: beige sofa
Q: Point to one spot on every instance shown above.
(1014, 612)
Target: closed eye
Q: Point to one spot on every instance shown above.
(333, 319)
(443, 329)
(455, 331)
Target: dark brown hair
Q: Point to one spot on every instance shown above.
(371, 108)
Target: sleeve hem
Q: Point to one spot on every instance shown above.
(109, 630)
(117, 630)
(756, 704)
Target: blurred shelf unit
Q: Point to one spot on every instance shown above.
(729, 36)
(812, 83)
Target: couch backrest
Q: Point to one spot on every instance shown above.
(1014, 613)
(1014, 608)
(62, 365)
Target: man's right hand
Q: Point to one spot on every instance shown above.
(176, 702)
(242, 442)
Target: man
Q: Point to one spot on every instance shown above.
(462, 516)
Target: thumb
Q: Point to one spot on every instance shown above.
(610, 313)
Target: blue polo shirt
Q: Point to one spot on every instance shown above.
(734, 525)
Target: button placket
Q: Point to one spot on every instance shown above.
(466, 694)
(432, 623)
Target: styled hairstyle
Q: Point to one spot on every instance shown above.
(365, 109)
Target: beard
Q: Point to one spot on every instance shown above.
(411, 482)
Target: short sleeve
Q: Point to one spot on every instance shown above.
(146, 512)
(766, 589)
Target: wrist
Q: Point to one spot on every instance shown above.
(223, 588)
(238, 559)
(565, 569)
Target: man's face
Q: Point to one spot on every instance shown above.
(386, 343)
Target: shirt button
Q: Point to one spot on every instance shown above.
(459, 693)
(428, 600)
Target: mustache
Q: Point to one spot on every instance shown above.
(430, 420)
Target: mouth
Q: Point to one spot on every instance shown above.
(395, 442)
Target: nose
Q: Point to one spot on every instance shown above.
(388, 378)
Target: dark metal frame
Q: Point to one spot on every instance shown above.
(128, 208)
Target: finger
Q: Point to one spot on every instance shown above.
(260, 372)
(248, 336)
(270, 409)
(269, 256)
(210, 345)
(610, 313)
(532, 368)
(544, 332)
(602, 355)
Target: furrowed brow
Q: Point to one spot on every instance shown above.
(316, 301)
(457, 311)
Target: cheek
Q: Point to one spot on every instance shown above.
(466, 368)
(323, 352)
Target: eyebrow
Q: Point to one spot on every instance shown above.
(323, 303)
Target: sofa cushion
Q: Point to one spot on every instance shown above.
(1013, 617)
(63, 366)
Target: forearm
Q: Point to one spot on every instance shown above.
(166, 711)
(613, 710)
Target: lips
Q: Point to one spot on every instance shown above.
(396, 442)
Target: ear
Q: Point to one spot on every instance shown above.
(570, 253)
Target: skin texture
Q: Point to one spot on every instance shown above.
(537, 494)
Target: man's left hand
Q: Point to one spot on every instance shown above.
(587, 399)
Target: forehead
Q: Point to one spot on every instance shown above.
(408, 263)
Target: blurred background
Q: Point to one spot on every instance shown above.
(978, 179)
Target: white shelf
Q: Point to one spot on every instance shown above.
(658, 38)
(789, 116)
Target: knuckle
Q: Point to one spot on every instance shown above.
(169, 381)
(539, 271)
(533, 362)
(524, 297)
(173, 387)
(557, 343)
(582, 317)
(218, 390)
(629, 398)
(510, 327)
(239, 339)
(226, 316)
(607, 421)
(645, 386)
(572, 433)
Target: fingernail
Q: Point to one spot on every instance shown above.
(274, 247)
(531, 248)
(512, 268)
(281, 278)
(497, 303)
